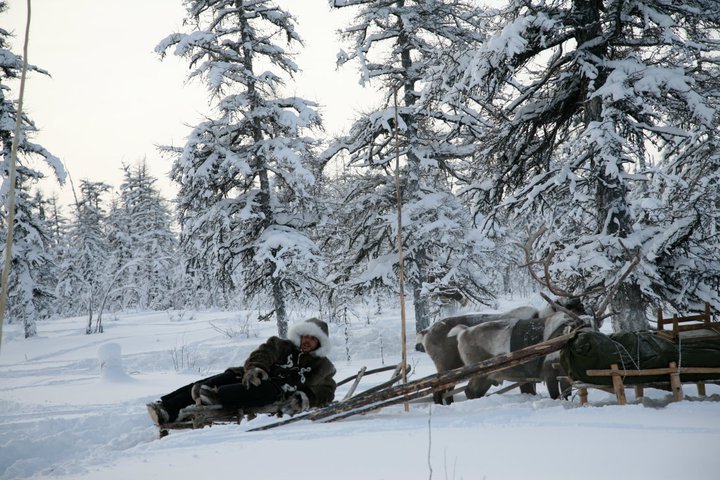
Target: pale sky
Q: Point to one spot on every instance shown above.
(111, 100)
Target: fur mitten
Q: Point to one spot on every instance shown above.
(204, 394)
(254, 376)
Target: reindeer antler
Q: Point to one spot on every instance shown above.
(546, 281)
(544, 261)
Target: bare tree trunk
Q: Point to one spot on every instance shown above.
(421, 311)
(280, 311)
(414, 171)
(90, 315)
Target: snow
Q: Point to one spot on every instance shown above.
(73, 407)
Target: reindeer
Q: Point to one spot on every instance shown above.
(486, 340)
(443, 349)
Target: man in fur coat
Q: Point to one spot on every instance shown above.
(295, 372)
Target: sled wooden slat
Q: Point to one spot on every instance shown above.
(618, 386)
(510, 387)
(652, 371)
(397, 375)
(367, 372)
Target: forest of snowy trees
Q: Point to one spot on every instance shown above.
(578, 139)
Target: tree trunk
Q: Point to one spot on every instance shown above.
(280, 311)
(90, 314)
(414, 172)
(421, 314)
(629, 310)
(611, 206)
(265, 193)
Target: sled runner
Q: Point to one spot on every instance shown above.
(195, 416)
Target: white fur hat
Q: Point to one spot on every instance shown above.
(313, 327)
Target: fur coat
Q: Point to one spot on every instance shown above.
(292, 370)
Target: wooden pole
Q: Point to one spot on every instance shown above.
(440, 381)
(366, 373)
(401, 269)
(352, 388)
(12, 179)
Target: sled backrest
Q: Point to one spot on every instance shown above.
(702, 321)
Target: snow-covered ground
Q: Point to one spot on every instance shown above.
(62, 416)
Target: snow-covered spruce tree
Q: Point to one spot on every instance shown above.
(27, 295)
(394, 43)
(47, 271)
(58, 230)
(606, 121)
(30, 297)
(87, 264)
(117, 228)
(243, 175)
(142, 242)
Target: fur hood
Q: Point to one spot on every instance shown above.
(316, 328)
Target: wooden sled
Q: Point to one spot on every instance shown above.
(366, 402)
(686, 328)
(199, 416)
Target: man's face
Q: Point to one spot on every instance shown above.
(308, 343)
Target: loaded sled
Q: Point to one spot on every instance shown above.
(688, 352)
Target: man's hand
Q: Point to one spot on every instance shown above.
(297, 403)
(254, 377)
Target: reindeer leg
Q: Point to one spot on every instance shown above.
(528, 388)
(478, 387)
(439, 397)
(550, 375)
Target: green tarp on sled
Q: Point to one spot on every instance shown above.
(591, 350)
